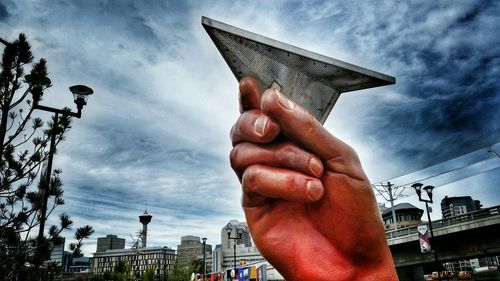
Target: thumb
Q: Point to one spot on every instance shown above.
(300, 127)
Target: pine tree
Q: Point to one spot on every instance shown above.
(24, 147)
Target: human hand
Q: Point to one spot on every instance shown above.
(308, 203)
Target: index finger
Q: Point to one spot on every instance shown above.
(302, 128)
(249, 95)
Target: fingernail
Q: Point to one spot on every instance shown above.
(261, 124)
(316, 166)
(314, 190)
(286, 103)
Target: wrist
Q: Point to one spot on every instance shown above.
(331, 267)
(348, 273)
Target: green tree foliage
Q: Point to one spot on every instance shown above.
(149, 275)
(81, 233)
(107, 275)
(197, 266)
(121, 269)
(97, 278)
(181, 273)
(24, 147)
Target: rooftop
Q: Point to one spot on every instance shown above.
(402, 207)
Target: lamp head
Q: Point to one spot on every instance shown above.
(428, 189)
(418, 188)
(204, 239)
(81, 94)
(229, 230)
(37, 85)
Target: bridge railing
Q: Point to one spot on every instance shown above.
(479, 214)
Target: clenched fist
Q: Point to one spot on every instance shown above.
(308, 203)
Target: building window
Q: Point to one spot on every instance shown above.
(459, 210)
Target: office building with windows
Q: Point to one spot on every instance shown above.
(110, 242)
(459, 205)
(160, 259)
(224, 254)
(190, 249)
(239, 230)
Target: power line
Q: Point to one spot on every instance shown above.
(460, 179)
(445, 172)
(489, 150)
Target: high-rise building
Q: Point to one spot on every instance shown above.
(454, 206)
(240, 231)
(227, 254)
(190, 249)
(110, 242)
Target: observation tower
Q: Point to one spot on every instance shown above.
(145, 219)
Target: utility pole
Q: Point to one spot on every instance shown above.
(390, 194)
(391, 199)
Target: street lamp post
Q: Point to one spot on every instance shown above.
(229, 229)
(80, 95)
(204, 261)
(428, 189)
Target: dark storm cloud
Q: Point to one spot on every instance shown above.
(445, 56)
(457, 91)
(103, 29)
(4, 13)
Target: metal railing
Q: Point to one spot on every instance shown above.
(471, 216)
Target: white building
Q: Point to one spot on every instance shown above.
(239, 230)
(225, 254)
(224, 258)
(160, 259)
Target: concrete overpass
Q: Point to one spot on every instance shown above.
(471, 235)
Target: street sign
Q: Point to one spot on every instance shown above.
(424, 238)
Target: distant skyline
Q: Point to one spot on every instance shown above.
(157, 127)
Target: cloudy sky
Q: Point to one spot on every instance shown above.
(157, 127)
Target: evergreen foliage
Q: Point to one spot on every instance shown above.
(24, 147)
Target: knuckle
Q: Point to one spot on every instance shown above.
(286, 154)
(247, 79)
(313, 125)
(231, 132)
(351, 154)
(251, 175)
(234, 133)
(293, 185)
(287, 148)
(233, 157)
(250, 179)
(239, 156)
